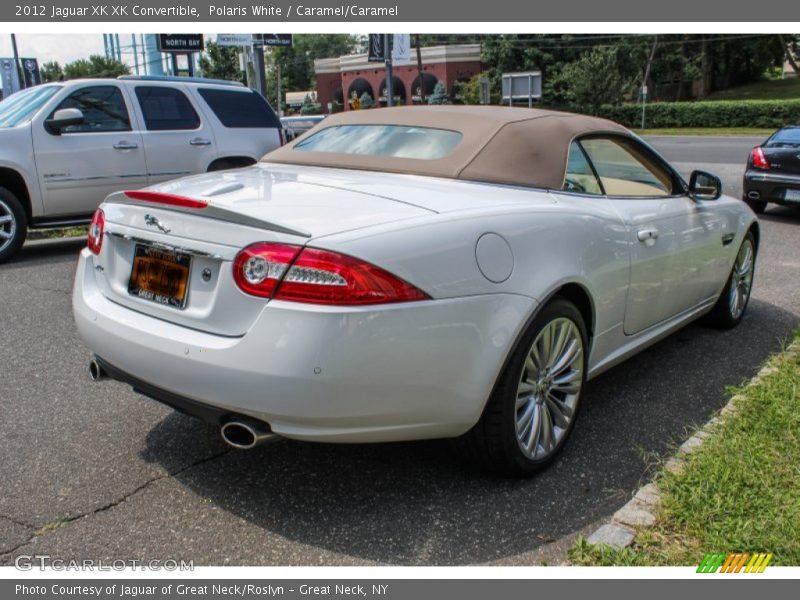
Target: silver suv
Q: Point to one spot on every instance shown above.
(65, 146)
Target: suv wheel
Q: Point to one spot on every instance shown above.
(13, 224)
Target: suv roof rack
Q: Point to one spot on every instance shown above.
(180, 79)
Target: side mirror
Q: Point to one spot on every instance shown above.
(704, 186)
(66, 117)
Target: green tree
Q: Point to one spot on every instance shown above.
(296, 62)
(594, 79)
(221, 62)
(366, 101)
(310, 107)
(95, 66)
(439, 95)
(51, 71)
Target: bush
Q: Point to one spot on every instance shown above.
(366, 101)
(766, 114)
(310, 106)
(439, 95)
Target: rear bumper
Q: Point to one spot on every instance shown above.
(770, 187)
(356, 374)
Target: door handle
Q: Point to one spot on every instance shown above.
(647, 234)
(200, 142)
(125, 146)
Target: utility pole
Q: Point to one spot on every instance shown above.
(419, 72)
(17, 65)
(387, 54)
(258, 67)
(647, 75)
(280, 92)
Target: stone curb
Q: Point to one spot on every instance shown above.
(640, 511)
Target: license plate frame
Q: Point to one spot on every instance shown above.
(791, 195)
(168, 284)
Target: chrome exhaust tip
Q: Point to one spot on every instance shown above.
(96, 372)
(244, 435)
(754, 195)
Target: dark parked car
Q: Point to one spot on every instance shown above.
(773, 171)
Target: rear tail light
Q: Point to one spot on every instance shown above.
(759, 160)
(95, 239)
(168, 199)
(258, 268)
(316, 276)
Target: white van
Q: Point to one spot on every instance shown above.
(65, 146)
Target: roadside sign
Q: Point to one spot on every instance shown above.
(401, 48)
(234, 39)
(376, 52)
(272, 39)
(180, 42)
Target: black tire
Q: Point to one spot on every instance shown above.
(757, 206)
(14, 222)
(722, 316)
(493, 443)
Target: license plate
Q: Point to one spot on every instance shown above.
(792, 195)
(160, 276)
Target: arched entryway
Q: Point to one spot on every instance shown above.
(423, 83)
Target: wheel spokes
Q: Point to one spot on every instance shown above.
(549, 388)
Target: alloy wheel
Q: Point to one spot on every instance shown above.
(8, 225)
(741, 279)
(549, 388)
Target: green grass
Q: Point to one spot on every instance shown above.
(744, 131)
(771, 89)
(740, 492)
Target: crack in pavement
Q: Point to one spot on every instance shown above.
(17, 522)
(47, 528)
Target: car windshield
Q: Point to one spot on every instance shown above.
(383, 140)
(20, 107)
(786, 137)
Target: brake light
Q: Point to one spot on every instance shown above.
(316, 276)
(258, 268)
(169, 199)
(758, 158)
(94, 241)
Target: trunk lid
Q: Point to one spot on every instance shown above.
(245, 206)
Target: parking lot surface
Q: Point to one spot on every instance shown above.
(95, 471)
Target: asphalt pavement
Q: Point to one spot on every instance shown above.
(96, 471)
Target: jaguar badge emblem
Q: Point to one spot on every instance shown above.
(152, 221)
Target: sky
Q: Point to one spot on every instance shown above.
(62, 48)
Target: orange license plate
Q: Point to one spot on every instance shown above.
(160, 276)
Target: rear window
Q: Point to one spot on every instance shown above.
(785, 136)
(240, 109)
(166, 109)
(399, 141)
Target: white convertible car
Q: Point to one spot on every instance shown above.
(410, 273)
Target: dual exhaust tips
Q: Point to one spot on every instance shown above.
(240, 433)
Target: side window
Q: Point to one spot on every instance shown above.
(103, 109)
(239, 109)
(580, 177)
(166, 109)
(625, 169)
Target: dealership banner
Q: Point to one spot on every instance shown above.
(311, 11)
(391, 589)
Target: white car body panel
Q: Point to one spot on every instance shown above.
(331, 373)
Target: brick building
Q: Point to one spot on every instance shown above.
(342, 77)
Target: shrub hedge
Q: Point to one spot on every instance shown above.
(709, 113)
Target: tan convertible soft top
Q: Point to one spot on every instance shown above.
(517, 146)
